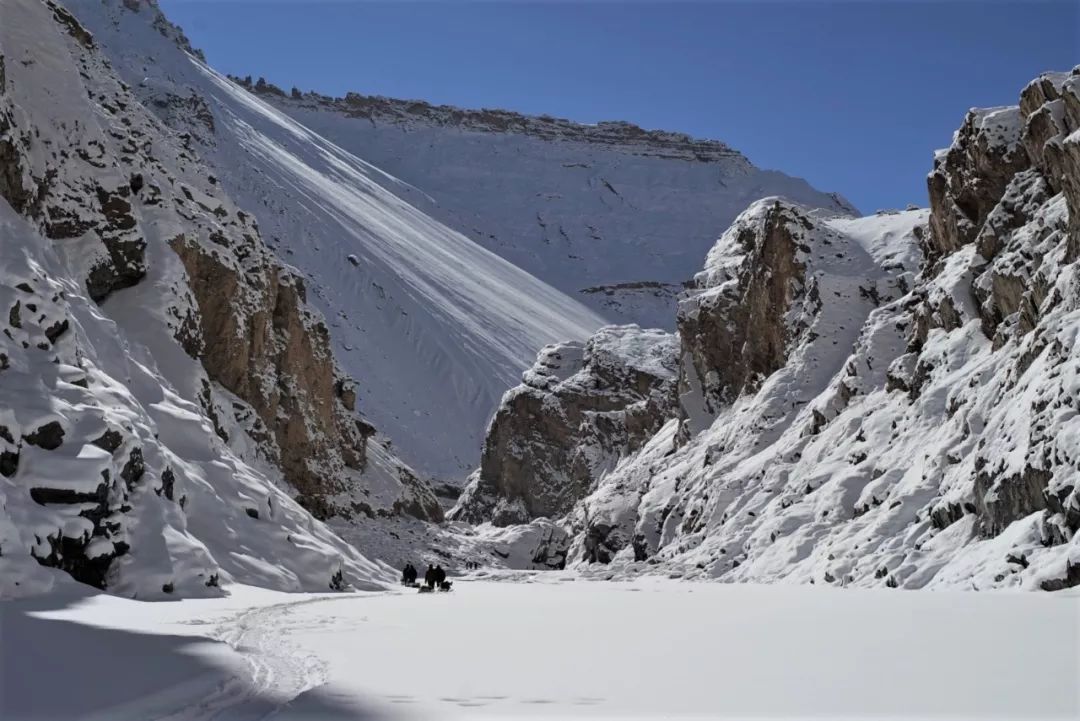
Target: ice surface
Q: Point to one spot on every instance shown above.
(551, 646)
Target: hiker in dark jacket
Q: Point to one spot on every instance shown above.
(440, 576)
(408, 576)
(430, 576)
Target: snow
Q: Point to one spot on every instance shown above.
(1002, 125)
(444, 255)
(887, 237)
(573, 211)
(552, 645)
(432, 326)
(115, 366)
(646, 350)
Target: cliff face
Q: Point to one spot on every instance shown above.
(619, 136)
(580, 409)
(160, 368)
(739, 319)
(258, 340)
(878, 401)
(1009, 183)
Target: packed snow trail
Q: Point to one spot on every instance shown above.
(278, 671)
(273, 673)
(555, 645)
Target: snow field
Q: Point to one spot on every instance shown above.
(554, 645)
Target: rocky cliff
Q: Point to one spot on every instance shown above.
(580, 409)
(878, 401)
(621, 136)
(157, 359)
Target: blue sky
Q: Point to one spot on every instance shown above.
(854, 96)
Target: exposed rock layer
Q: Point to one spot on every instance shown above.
(581, 408)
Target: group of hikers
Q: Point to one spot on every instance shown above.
(434, 577)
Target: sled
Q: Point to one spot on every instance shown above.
(444, 587)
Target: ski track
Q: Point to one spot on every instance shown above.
(278, 671)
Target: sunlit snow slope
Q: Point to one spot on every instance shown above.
(612, 214)
(433, 326)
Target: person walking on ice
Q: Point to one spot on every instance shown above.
(430, 576)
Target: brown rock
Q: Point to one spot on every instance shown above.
(970, 177)
(580, 409)
(733, 336)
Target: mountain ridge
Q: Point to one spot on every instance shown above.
(668, 144)
(576, 205)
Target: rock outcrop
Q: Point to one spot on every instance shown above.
(580, 408)
(737, 323)
(258, 339)
(970, 177)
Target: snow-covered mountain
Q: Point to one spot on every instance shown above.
(445, 247)
(432, 326)
(210, 302)
(611, 214)
(165, 233)
(171, 413)
(884, 401)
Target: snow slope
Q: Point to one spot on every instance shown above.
(570, 649)
(433, 326)
(122, 461)
(606, 206)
